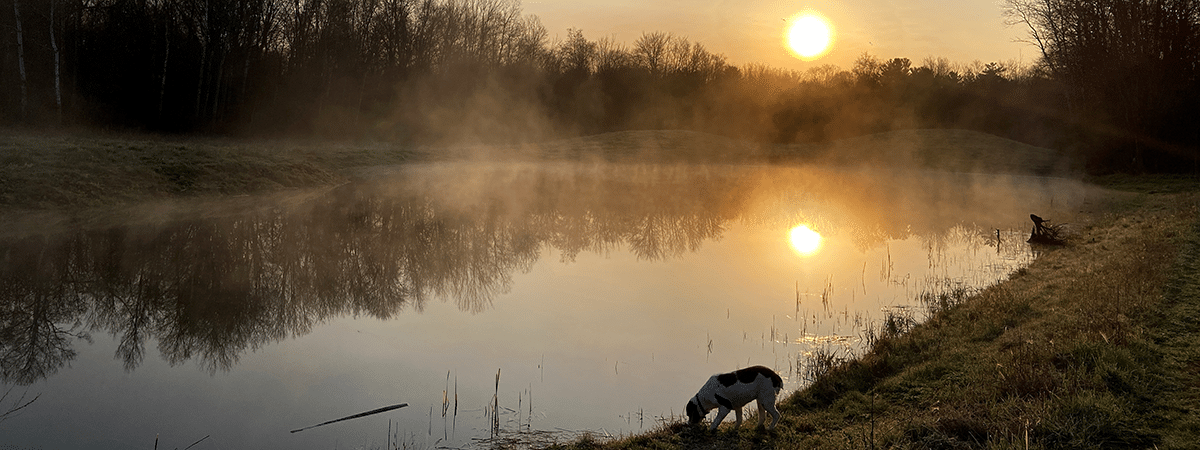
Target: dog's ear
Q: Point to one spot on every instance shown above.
(693, 413)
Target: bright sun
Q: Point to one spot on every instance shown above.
(805, 240)
(809, 35)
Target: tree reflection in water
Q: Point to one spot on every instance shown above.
(41, 313)
(209, 289)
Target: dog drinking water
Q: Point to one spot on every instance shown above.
(731, 391)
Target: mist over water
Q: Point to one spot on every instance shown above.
(603, 293)
(523, 295)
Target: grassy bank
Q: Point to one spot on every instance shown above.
(1094, 345)
(60, 181)
(41, 172)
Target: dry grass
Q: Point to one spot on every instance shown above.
(40, 172)
(52, 181)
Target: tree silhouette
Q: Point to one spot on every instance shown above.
(1120, 76)
(1132, 70)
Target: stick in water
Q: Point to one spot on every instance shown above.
(373, 411)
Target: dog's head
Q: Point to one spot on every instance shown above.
(695, 414)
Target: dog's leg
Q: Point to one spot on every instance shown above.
(767, 406)
(723, 408)
(722, 411)
(739, 418)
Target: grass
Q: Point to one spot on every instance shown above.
(54, 181)
(40, 172)
(949, 150)
(1091, 346)
(48, 182)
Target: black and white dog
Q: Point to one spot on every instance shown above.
(731, 391)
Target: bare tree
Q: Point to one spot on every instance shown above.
(577, 54)
(169, 18)
(1038, 16)
(21, 59)
(1130, 65)
(650, 52)
(868, 69)
(611, 55)
(57, 71)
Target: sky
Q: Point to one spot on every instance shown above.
(751, 31)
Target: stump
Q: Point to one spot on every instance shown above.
(1045, 233)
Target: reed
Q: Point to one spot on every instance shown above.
(496, 407)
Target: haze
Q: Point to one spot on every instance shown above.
(747, 32)
(501, 71)
(633, 179)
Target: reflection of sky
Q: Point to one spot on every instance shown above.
(591, 341)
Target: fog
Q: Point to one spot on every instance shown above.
(455, 232)
(372, 291)
(617, 162)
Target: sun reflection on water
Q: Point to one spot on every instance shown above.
(804, 240)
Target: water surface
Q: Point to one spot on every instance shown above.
(600, 296)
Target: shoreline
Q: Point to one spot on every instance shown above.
(1090, 345)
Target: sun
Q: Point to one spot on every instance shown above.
(804, 239)
(809, 35)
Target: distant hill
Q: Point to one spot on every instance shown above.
(652, 146)
(39, 172)
(937, 149)
(933, 149)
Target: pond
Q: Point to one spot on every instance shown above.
(530, 301)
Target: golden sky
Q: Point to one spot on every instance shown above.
(750, 31)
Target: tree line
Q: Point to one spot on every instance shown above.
(1129, 70)
(1117, 78)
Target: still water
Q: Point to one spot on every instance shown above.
(545, 299)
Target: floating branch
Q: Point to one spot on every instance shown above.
(202, 440)
(373, 411)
